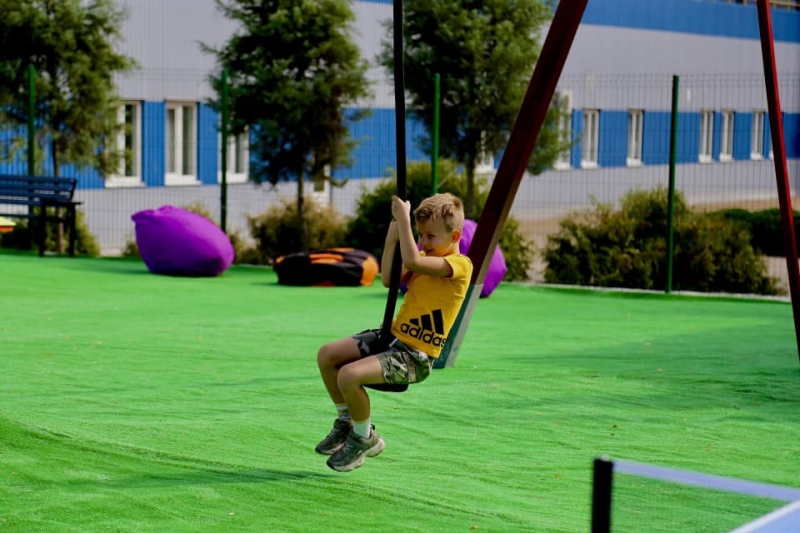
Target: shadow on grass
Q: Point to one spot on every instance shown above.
(150, 468)
(202, 476)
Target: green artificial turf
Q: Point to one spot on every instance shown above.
(138, 403)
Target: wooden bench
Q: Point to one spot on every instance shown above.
(40, 193)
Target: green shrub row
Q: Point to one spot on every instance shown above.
(766, 234)
(627, 247)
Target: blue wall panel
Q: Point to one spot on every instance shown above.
(153, 143)
(207, 145)
(742, 135)
(376, 153)
(17, 165)
(791, 133)
(88, 178)
(690, 16)
(688, 137)
(686, 16)
(613, 148)
(655, 141)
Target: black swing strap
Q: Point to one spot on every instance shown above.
(400, 132)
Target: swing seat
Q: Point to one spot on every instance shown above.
(389, 387)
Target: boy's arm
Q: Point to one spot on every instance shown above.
(412, 259)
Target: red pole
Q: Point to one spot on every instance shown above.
(779, 152)
(515, 159)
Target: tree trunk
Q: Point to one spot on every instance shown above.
(301, 213)
(469, 201)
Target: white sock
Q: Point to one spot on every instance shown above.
(362, 429)
(342, 412)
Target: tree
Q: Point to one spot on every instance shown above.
(70, 43)
(294, 70)
(484, 51)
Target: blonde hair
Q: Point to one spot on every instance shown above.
(445, 207)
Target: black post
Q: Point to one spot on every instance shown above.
(223, 186)
(400, 143)
(673, 158)
(601, 495)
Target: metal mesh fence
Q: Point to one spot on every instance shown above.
(620, 125)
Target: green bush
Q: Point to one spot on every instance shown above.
(715, 255)
(277, 231)
(367, 231)
(518, 251)
(628, 248)
(20, 237)
(131, 249)
(764, 227)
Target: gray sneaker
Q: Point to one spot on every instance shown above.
(355, 449)
(335, 439)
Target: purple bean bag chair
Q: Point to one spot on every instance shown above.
(497, 266)
(177, 242)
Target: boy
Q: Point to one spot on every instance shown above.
(437, 278)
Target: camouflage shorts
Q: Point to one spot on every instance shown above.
(400, 364)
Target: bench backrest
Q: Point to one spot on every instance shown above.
(32, 190)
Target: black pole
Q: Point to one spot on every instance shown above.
(400, 132)
(601, 495)
(223, 186)
(673, 158)
(400, 142)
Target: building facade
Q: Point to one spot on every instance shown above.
(616, 89)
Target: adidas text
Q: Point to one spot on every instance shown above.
(428, 337)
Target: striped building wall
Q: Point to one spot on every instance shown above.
(618, 38)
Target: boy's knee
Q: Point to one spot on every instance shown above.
(346, 377)
(324, 355)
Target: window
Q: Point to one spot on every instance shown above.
(129, 144)
(706, 136)
(757, 140)
(238, 154)
(726, 144)
(565, 136)
(181, 144)
(635, 121)
(563, 101)
(591, 133)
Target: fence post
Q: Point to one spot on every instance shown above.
(223, 189)
(31, 140)
(602, 486)
(673, 149)
(31, 120)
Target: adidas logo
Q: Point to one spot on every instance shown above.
(429, 328)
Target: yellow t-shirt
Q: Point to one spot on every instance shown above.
(431, 305)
